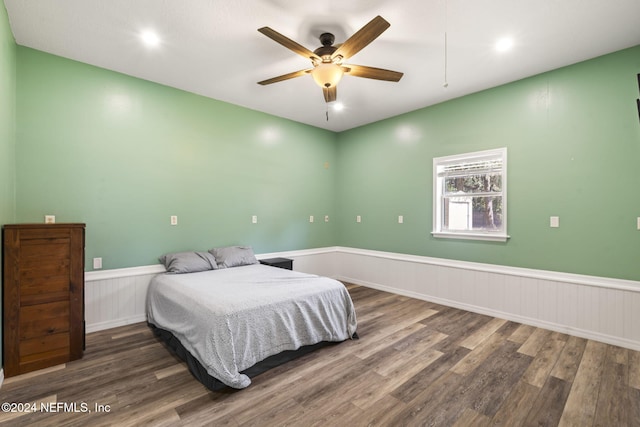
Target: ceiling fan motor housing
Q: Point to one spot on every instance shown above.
(327, 39)
(326, 50)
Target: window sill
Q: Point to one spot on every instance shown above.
(471, 236)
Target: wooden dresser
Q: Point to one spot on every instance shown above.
(43, 280)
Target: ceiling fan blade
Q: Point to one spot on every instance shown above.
(288, 43)
(362, 37)
(372, 73)
(285, 77)
(330, 93)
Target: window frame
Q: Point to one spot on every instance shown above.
(438, 186)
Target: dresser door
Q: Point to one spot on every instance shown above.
(44, 296)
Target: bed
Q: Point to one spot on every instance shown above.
(227, 322)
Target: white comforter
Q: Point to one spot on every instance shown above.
(232, 318)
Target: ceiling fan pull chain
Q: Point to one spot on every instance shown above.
(446, 83)
(327, 104)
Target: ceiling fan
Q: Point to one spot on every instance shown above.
(328, 67)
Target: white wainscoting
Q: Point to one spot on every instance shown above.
(602, 309)
(116, 297)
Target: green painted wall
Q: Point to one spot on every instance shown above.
(7, 119)
(573, 140)
(122, 155)
(7, 127)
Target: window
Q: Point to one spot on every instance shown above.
(470, 196)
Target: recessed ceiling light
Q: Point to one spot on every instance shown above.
(150, 38)
(504, 44)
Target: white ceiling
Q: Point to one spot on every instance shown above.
(213, 48)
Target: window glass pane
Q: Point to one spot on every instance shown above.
(484, 183)
(483, 213)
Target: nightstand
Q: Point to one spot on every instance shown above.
(285, 263)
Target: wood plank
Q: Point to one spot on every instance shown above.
(483, 333)
(333, 416)
(7, 416)
(50, 342)
(372, 346)
(411, 389)
(42, 327)
(43, 298)
(521, 334)
(47, 311)
(412, 360)
(581, 403)
(469, 417)
(634, 406)
(634, 369)
(380, 413)
(423, 408)
(535, 341)
(476, 357)
(569, 360)
(549, 405)
(28, 375)
(391, 378)
(44, 249)
(517, 405)
(488, 387)
(171, 370)
(614, 383)
(43, 285)
(543, 363)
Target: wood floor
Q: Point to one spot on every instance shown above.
(416, 363)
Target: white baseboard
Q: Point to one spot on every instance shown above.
(101, 326)
(598, 308)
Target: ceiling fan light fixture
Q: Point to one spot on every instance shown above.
(327, 75)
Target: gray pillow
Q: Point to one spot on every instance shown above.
(234, 256)
(188, 262)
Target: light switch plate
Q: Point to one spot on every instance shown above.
(97, 263)
(554, 221)
(174, 220)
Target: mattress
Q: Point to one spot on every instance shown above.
(230, 319)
